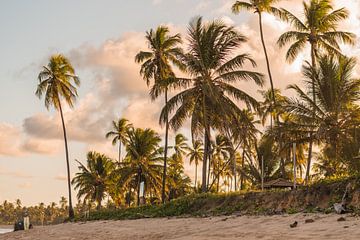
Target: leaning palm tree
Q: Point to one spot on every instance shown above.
(92, 180)
(195, 154)
(259, 7)
(119, 133)
(319, 29)
(57, 82)
(156, 66)
(208, 94)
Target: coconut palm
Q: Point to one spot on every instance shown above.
(319, 29)
(180, 147)
(268, 109)
(221, 152)
(259, 7)
(156, 66)
(142, 161)
(92, 180)
(195, 155)
(119, 133)
(336, 92)
(209, 93)
(57, 82)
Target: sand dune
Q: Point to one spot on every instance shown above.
(226, 227)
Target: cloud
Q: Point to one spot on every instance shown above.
(10, 140)
(16, 174)
(60, 177)
(25, 185)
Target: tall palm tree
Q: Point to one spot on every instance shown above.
(319, 29)
(92, 180)
(119, 133)
(57, 82)
(156, 66)
(209, 93)
(142, 161)
(196, 154)
(259, 7)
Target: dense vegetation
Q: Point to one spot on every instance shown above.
(227, 140)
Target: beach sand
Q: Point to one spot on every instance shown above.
(225, 227)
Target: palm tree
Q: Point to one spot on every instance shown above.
(319, 29)
(209, 93)
(221, 154)
(92, 180)
(268, 109)
(119, 133)
(336, 92)
(55, 82)
(259, 7)
(156, 66)
(196, 154)
(180, 147)
(142, 161)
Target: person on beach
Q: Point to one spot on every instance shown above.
(26, 221)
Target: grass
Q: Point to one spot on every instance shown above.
(317, 198)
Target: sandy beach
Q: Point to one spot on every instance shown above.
(225, 227)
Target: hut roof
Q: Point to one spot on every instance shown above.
(278, 183)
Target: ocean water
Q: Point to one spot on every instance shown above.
(2, 230)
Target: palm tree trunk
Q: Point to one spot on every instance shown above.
(138, 187)
(195, 175)
(206, 148)
(313, 63)
(218, 176)
(242, 167)
(71, 210)
(163, 196)
(233, 155)
(205, 161)
(209, 169)
(119, 152)
(266, 58)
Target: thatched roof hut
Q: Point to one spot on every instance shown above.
(279, 183)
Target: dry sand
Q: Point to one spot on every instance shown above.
(226, 227)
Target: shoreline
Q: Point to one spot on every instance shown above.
(277, 227)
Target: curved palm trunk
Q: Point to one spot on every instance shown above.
(313, 62)
(71, 210)
(163, 195)
(271, 84)
(266, 58)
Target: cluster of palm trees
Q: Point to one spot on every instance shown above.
(143, 163)
(41, 214)
(229, 141)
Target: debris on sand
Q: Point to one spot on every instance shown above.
(309, 220)
(293, 225)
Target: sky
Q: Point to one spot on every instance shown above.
(101, 39)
